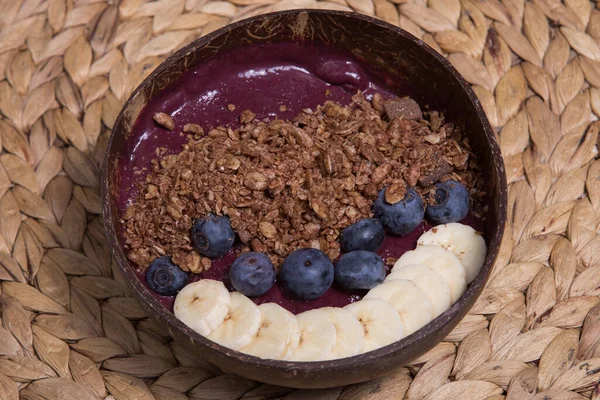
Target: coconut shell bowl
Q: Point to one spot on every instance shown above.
(408, 67)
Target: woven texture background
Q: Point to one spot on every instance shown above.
(70, 329)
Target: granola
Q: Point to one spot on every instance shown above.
(292, 184)
(164, 120)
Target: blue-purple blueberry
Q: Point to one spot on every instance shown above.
(306, 274)
(212, 236)
(402, 217)
(165, 278)
(450, 203)
(359, 270)
(252, 274)
(365, 234)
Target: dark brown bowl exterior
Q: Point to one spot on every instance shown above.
(424, 75)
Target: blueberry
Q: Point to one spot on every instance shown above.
(366, 234)
(359, 270)
(402, 217)
(306, 274)
(252, 274)
(212, 236)
(164, 277)
(451, 203)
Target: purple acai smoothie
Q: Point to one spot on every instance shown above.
(260, 78)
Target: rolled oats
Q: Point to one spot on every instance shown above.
(164, 120)
(407, 108)
(193, 128)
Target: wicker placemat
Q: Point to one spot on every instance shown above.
(70, 329)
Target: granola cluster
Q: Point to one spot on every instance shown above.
(292, 184)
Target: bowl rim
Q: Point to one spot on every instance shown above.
(144, 295)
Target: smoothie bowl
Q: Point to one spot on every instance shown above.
(305, 198)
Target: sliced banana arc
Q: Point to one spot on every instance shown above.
(410, 302)
(317, 336)
(350, 334)
(240, 324)
(202, 305)
(278, 333)
(423, 284)
(430, 282)
(381, 323)
(441, 261)
(463, 241)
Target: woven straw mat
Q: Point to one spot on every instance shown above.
(71, 330)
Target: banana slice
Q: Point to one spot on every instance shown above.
(240, 324)
(441, 261)
(350, 334)
(317, 336)
(410, 302)
(429, 281)
(278, 333)
(463, 241)
(202, 305)
(381, 323)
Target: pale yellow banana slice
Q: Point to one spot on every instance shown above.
(349, 333)
(441, 261)
(278, 333)
(381, 323)
(429, 281)
(463, 241)
(202, 305)
(240, 324)
(410, 302)
(317, 336)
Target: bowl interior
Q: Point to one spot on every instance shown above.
(408, 67)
